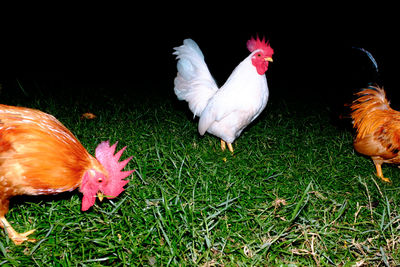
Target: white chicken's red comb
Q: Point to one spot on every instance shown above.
(105, 155)
(255, 44)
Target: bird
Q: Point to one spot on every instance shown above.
(377, 128)
(40, 156)
(226, 111)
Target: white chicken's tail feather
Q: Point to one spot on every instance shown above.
(193, 82)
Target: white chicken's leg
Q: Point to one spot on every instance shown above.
(223, 146)
(17, 238)
(230, 147)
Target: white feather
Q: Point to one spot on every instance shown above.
(193, 82)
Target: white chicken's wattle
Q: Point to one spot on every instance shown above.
(226, 111)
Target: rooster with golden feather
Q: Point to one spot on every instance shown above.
(378, 128)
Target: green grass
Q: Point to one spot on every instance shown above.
(294, 193)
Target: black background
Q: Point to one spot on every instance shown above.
(131, 47)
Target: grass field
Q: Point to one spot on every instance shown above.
(294, 193)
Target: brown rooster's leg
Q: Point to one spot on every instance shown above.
(17, 238)
(378, 166)
(223, 145)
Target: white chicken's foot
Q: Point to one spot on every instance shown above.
(17, 238)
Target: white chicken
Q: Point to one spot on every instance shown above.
(226, 111)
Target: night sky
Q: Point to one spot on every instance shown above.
(313, 59)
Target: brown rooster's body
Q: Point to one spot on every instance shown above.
(40, 156)
(378, 128)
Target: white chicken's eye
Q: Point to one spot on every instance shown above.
(258, 55)
(100, 180)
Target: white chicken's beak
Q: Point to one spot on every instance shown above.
(268, 59)
(100, 196)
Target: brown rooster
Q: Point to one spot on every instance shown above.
(378, 128)
(40, 156)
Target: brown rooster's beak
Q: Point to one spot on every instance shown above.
(100, 196)
(268, 59)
